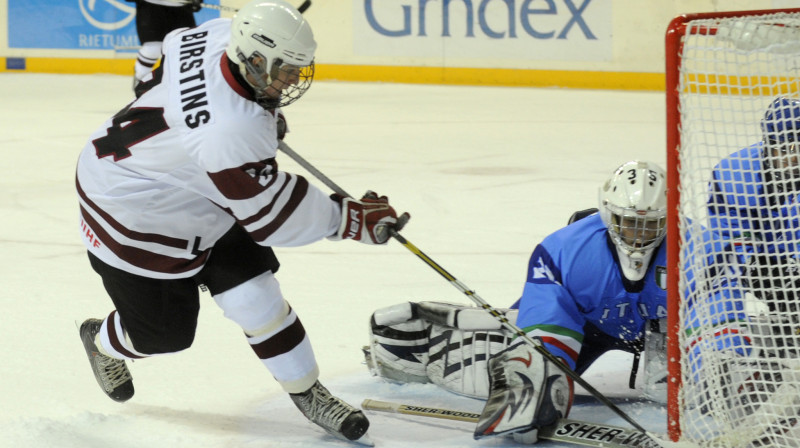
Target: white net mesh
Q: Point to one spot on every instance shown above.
(737, 226)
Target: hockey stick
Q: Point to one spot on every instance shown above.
(565, 430)
(471, 294)
(218, 7)
(302, 8)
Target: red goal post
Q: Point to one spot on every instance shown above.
(722, 71)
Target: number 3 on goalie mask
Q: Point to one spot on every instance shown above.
(274, 48)
(633, 206)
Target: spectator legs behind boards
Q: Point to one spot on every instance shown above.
(148, 55)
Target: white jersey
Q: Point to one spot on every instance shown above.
(168, 175)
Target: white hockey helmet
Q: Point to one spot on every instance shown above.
(633, 206)
(274, 47)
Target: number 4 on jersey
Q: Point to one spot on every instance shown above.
(140, 123)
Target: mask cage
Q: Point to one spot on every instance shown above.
(637, 230)
(285, 84)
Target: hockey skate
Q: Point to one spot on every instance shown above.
(332, 414)
(112, 374)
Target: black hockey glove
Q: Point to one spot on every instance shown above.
(281, 126)
(196, 7)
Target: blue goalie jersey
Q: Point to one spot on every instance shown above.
(574, 278)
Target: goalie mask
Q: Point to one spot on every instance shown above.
(780, 128)
(274, 48)
(633, 206)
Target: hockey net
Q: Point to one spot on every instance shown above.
(734, 381)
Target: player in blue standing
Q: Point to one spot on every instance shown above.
(760, 182)
(596, 285)
(753, 210)
(754, 203)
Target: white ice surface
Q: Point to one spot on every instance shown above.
(485, 172)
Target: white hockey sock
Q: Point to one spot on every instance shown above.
(147, 57)
(273, 331)
(113, 341)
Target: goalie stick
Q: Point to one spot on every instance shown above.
(565, 430)
(471, 294)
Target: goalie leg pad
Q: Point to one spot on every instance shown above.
(398, 348)
(526, 393)
(462, 317)
(443, 343)
(655, 362)
(457, 359)
(762, 397)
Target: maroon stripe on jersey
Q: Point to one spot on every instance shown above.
(113, 337)
(141, 258)
(226, 73)
(132, 234)
(268, 208)
(243, 182)
(282, 342)
(298, 194)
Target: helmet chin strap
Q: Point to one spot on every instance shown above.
(249, 70)
(634, 264)
(260, 90)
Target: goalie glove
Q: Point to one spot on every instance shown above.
(367, 220)
(526, 393)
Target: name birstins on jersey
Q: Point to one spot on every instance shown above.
(194, 94)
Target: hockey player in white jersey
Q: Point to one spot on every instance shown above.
(181, 189)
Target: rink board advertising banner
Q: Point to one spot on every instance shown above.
(573, 30)
(78, 24)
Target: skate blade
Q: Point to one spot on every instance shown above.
(364, 440)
